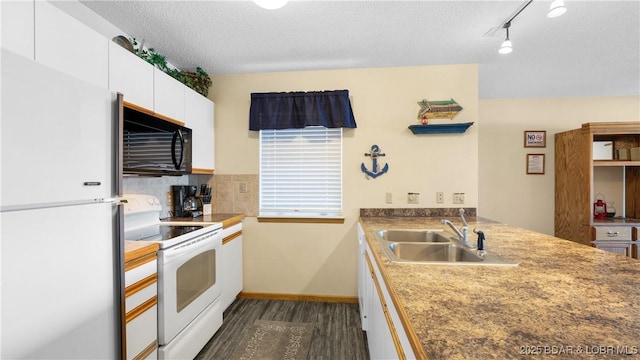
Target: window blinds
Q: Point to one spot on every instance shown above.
(301, 172)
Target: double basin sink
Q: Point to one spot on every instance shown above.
(431, 247)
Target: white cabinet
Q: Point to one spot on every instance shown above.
(17, 26)
(141, 307)
(131, 76)
(379, 337)
(616, 239)
(168, 96)
(198, 116)
(231, 264)
(364, 280)
(386, 336)
(67, 45)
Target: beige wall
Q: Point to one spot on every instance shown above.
(321, 259)
(507, 193)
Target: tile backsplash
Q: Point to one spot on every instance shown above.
(230, 193)
(160, 187)
(235, 194)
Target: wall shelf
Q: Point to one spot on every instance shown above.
(440, 128)
(615, 163)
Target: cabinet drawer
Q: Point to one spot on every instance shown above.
(612, 233)
(618, 247)
(141, 272)
(140, 296)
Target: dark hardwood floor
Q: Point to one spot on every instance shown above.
(337, 334)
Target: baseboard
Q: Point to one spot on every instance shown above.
(299, 297)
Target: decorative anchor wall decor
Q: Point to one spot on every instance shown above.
(375, 152)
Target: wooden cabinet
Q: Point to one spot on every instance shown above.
(141, 303)
(231, 264)
(131, 76)
(579, 178)
(17, 26)
(69, 46)
(198, 116)
(168, 95)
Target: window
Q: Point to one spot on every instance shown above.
(301, 172)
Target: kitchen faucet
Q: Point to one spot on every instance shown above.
(463, 232)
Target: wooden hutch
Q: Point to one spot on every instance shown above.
(580, 177)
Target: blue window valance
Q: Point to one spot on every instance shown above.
(295, 110)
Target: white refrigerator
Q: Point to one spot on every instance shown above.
(61, 240)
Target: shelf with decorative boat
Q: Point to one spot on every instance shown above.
(440, 109)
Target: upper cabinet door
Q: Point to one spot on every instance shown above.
(168, 95)
(67, 45)
(198, 116)
(131, 76)
(17, 26)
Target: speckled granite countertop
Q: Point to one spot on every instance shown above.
(564, 299)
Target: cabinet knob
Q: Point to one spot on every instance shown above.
(612, 233)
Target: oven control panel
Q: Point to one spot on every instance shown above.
(138, 203)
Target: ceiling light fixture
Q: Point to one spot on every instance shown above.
(506, 44)
(506, 47)
(270, 4)
(556, 9)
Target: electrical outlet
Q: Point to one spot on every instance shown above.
(458, 198)
(413, 198)
(440, 197)
(389, 198)
(243, 188)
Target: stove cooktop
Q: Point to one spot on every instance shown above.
(160, 232)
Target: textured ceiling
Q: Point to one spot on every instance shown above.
(592, 50)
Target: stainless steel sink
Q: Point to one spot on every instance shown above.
(430, 236)
(431, 247)
(434, 252)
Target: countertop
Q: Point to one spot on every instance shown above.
(136, 249)
(616, 221)
(563, 298)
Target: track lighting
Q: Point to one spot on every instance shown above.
(506, 44)
(270, 4)
(556, 9)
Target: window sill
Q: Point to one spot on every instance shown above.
(294, 219)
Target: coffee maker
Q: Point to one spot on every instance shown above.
(179, 194)
(192, 204)
(185, 201)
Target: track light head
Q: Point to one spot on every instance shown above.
(556, 9)
(506, 47)
(270, 4)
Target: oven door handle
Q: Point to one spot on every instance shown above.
(188, 247)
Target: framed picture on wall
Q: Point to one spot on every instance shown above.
(535, 164)
(535, 138)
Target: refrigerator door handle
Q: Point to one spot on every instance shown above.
(92, 183)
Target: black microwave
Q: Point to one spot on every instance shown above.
(154, 146)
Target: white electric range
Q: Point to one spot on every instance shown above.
(189, 310)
